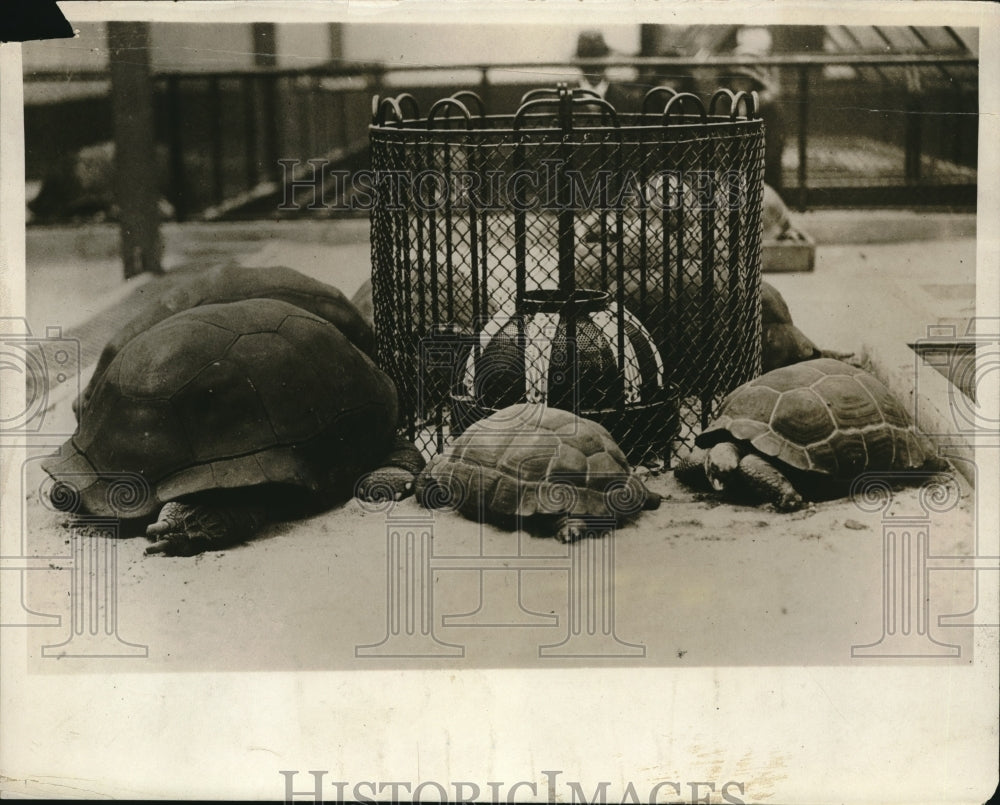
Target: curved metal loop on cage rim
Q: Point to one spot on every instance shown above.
(747, 99)
(468, 93)
(576, 100)
(598, 101)
(379, 105)
(680, 98)
(644, 110)
(538, 92)
(448, 103)
(406, 96)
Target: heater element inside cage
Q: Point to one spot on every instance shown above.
(579, 353)
(600, 260)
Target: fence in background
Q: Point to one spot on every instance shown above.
(842, 130)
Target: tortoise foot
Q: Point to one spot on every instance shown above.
(186, 529)
(386, 483)
(652, 501)
(397, 478)
(571, 529)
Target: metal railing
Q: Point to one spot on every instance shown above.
(861, 129)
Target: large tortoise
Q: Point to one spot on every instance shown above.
(548, 469)
(806, 431)
(227, 414)
(181, 290)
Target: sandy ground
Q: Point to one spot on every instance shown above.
(694, 583)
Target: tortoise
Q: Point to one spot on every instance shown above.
(775, 221)
(806, 431)
(554, 472)
(781, 342)
(181, 289)
(226, 415)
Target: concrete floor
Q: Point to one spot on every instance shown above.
(696, 583)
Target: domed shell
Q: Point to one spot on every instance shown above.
(224, 396)
(531, 459)
(220, 284)
(821, 416)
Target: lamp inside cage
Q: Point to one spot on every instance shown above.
(576, 351)
(600, 260)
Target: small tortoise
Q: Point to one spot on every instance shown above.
(806, 430)
(182, 290)
(556, 472)
(223, 415)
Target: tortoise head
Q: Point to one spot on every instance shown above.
(721, 463)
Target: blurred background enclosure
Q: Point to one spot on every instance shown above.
(854, 115)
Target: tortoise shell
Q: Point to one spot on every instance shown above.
(530, 459)
(226, 396)
(821, 416)
(180, 290)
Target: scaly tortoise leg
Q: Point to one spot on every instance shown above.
(768, 482)
(186, 529)
(723, 468)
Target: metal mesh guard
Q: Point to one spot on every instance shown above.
(474, 216)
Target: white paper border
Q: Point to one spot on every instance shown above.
(845, 734)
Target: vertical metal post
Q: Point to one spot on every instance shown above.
(265, 55)
(803, 180)
(567, 257)
(567, 235)
(136, 188)
(335, 37)
(484, 86)
(913, 145)
(249, 87)
(175, 145)
(215, 139)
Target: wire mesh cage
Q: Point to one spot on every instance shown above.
(599, 260)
